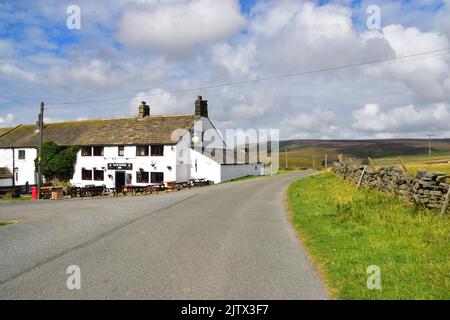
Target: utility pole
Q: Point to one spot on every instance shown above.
(314, 161)
(13, 167)
(326, 161)
(286, 158)
(41, 137)
(429, 146)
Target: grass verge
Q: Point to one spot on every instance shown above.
(347, 230)
(2, 224)
(21, 198)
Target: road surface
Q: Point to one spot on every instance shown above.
(230, 241)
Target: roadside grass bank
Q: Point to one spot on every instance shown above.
(347, 230)
(21, 198)
(2, 224)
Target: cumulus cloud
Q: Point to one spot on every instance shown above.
(95, 74)
(175, 27)
(428, 77)
(403, 120)
(236, 61)
(11, 72)
(161, 102)
(168, 45)
(301, 34)
(7, 120)
(319, 123)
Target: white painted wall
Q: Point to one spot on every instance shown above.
(206, 168)
(25, 168)
(148, 164)
(211, 170)
(230, 172)
(6, 182)
(200, 166)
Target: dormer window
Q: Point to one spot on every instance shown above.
(86, 152)
(21, 154)
(121, 151)
(98, 151)
(157, 151)
(142, 151)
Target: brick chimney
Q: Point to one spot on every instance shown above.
(144, 110)
(201, 107)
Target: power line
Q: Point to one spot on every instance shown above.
(411, 57)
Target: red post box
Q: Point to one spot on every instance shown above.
(34, 193)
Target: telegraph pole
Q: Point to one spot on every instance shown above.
(314, 161)
(41, 137)
(429, 145)
(286, 158)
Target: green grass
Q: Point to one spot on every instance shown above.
(2, 224)
(437, 163)
(346, 231)
(22, 198)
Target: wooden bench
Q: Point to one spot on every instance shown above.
(13, 192)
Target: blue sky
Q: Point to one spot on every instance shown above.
(127, 50)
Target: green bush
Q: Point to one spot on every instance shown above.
(58, 162)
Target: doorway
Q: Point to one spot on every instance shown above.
(120, 180)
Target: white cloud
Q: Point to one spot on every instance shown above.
(95, 74)
(427, 78)
(11, 72)
(277, 37)
(161, 102)
(176, 27)
(291, 35)
(237, 61)
(7, 120)
(403, 120)
(319, 123)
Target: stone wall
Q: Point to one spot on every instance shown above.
(426, 188)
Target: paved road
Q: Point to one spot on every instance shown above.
(230, 241)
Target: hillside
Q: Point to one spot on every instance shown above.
(302, 152)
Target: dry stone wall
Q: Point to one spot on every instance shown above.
(426, 188)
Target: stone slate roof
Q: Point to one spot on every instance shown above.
(125, 131)
(4, 130)
(5, 173)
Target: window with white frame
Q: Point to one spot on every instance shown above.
(22, 154)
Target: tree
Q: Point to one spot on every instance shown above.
(58, 162)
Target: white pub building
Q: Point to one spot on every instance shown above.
(142, 150)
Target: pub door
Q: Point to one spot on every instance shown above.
(120, 180)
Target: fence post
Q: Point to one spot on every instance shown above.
(447, 198)
(403, 165)
(361, 178)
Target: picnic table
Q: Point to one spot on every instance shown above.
(148, 189)
(87, 191)
(11, 192)
(197, 182)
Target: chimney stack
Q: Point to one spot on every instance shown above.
(201, 107)
(144, 110)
